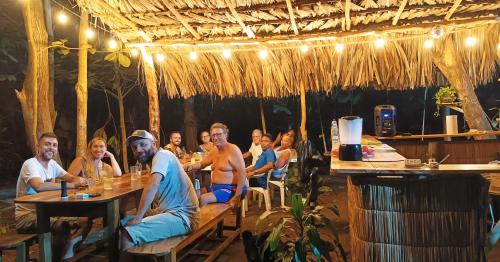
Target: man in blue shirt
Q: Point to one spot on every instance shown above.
(257, 173)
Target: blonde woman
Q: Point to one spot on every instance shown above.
(91, 164)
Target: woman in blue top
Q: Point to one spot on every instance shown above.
(206, 145)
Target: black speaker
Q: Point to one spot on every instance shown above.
(385, 120)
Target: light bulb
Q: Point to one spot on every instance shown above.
(470, 41)
(437, 32)
(89, 33)
(304, 48)
(379, 43)
(226, 53)
(112, 44)
(193, 55)
(428, 44)
(160, 58)
(134, 52)
(339, 47)
(498, 46)
(263, 54)
(62, 17)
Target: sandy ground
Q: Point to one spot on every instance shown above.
(236, 250)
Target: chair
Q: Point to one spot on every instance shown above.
(260, 190)
(280, 184)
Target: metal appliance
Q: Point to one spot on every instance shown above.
(385, 120)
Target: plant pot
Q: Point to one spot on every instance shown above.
(446, 99)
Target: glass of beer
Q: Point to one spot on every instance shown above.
(107, 180)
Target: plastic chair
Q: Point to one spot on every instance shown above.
(280, 184)
(260, 190)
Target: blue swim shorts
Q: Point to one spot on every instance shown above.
(224, 192)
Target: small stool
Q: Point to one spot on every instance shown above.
(20, 242)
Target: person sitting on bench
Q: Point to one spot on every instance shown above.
(228, 169)
(168, 206)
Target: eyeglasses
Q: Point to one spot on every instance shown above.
(217, 134)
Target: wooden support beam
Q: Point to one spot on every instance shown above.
(246, 29)
(347, 11)
(112, 10)
(182, 19)
(400, 11)
(292, 16)
(452, 9)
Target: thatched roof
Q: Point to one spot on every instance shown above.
(207, 27)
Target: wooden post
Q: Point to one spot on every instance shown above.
(447, 59)
(190, 123)
(303, 131)
(123, 130)
(262, 117)
(50, 32)
(81, 87)
(154, 109)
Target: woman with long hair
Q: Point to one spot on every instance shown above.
(207, 144)
(90, 165)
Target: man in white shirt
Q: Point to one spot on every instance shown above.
(255, 149)
(38, 174)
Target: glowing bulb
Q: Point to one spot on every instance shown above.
(89, 33)
(379, 43)
(226, 53)
(263, 54)
(160, 58)
(470, 41)
(193, 55)
(428, 44)
(498, 47)
(112, 44)
(437, 32)
(304, 49)
(134, 52)
(62, 18)
(339, 47)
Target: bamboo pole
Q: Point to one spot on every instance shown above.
(151, 86)
(81, 87)
(303, 131)
(123, 130)
(262, 117)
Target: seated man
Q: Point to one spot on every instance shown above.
(283, 154)
(264, 163)
(255, 149)
(228, 169)
(37, 175)
(168, 205)
(175, 145)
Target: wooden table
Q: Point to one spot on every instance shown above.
(398, 213)
(432, 136)
(124, 196)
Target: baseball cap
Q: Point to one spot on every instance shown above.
(140, 133)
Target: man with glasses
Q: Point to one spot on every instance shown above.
(264, 163)
(228, 169)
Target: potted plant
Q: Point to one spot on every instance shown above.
(445, 95)
(295, 237)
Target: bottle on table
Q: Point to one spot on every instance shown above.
(334, 134)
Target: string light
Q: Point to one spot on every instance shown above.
(498, 46)
(134, 52)
(263, 54)
(226, 53)
(437, 32)
(470, 41)
(428, 44)
(89, 33)
(193, 55)
(160, 58)
(112, 44)
(62, 17)
(379, 42)
(339, 47)
(304, 49)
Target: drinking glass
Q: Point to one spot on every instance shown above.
(133, 172)
(107, 180)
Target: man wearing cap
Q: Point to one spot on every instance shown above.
(168, 206)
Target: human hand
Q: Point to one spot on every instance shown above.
(134, 221)
(108, 154)
(235, 201)
(250, 173)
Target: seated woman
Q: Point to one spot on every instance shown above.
(207, 144)
(283, 155)
(90, 165)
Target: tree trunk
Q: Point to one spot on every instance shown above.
(123, 130)
(303, 107)
(262, 117)
(50, 32)
(35, 94)
(190, 124)
(154, 110)
(81, 87)
(449, 62)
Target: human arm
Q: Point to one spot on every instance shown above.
(206, 161)
(114, 164)
(277, 140)
(246, 155)
(238, 164)
(75, 168)
(147, 197)
(39, 185)
(283, 160)
(261, 170)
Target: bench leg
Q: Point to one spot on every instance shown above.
(21, 252)
(172, 257)
(220, 229)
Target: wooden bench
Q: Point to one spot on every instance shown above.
(212, 216)
(20, 242)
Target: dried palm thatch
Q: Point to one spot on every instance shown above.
(207, 27)
(437, 219)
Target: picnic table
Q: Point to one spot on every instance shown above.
(124, 196)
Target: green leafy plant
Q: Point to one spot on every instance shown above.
(445, 95)
(297, 236)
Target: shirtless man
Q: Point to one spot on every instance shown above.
(228, 167)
